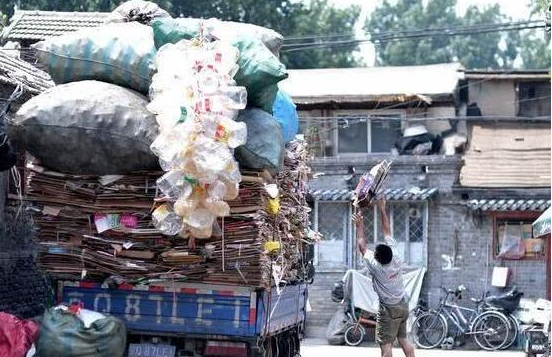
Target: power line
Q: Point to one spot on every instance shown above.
(411, 31)
(396, 38)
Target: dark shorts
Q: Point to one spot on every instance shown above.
(391, 322)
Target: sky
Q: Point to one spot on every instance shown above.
(517, 9)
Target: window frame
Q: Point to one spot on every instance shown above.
(338, 114)
(347, 251)
(424, 206)
(521, 215)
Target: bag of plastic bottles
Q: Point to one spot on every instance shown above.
(284, 110)
(168, 30)
(265, 146)
(87, 127)
(118, 53)
(259, 70)
(195, 103)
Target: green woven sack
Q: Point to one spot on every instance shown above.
(62, 334)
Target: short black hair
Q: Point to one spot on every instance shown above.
(383, 254)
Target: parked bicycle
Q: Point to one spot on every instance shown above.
(489, 328)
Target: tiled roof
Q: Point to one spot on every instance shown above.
(509, 204)
(38, 25)
(14, 70)
(391, 194)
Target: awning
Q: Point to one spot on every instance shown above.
(509, 205)
(541, 226)
(391, 194)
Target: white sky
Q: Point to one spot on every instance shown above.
(517, 9)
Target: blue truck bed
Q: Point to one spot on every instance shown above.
(194, 309)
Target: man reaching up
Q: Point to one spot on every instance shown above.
(387, 278)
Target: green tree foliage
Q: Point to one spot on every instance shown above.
(484, 50)
(289, 17)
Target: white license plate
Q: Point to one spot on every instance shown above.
(150, 350)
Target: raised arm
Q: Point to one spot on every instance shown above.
(361, 240)
(385, 226)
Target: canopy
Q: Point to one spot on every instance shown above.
(541, 226)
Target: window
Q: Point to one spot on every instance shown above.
(333, 222)
(407, 227)
(513, 238)
(355, 134)
(534, 99)
(351, 133)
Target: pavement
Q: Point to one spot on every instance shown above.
(319, 348)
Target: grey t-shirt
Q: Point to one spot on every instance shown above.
(387, 279)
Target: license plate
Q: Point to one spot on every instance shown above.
(150, 350)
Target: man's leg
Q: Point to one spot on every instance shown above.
(406, 346)
(386, 350)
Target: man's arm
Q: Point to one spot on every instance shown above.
(385, 226)
(361, 240)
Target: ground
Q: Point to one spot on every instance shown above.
(319, 348)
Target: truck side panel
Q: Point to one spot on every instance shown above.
(285, 309)
(156, 311)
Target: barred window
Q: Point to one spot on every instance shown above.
(407, 227)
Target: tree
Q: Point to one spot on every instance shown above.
(483, 50)
(289, 17)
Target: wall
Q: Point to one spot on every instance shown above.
(460, 252)
(496, 97)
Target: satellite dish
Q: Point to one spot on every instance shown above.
(414, 213)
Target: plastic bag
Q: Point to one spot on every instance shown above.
(512, 246)
(16, 336)
(137, 10)
(168, 30)
(336, 328)
(121, 53)
(265, 147)
(63, 334)
(284, 110)
(87, 127)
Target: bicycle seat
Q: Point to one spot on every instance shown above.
(477, 301)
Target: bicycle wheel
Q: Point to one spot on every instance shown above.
(354, 335)
(429, 330)
(513, 333)
(490, 330)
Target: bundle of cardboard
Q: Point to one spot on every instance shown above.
(93, 227)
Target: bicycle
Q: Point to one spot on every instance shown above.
(489, 328)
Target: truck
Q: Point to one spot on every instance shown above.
(176, 319)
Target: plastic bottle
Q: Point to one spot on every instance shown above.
(231, 132)
(217, 190)
(217, 207)
(165, 220)
(232, 190)
(175, 184)
(200, 218)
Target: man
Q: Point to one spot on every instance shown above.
(387, 279)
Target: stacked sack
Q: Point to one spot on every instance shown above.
(214, 110)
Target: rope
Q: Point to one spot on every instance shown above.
(223, 247)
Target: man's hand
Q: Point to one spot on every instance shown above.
(358, 218)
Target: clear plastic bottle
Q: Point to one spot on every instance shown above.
(217, 207)
(202, 233)
(165, 220)
(175, 184)
(231, 132)
(217, 190)
(200, 218)
(232, 190)
(184, 206)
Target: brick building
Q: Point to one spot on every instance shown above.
(443, 212)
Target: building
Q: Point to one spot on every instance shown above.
(27, 27)
(438, 204)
